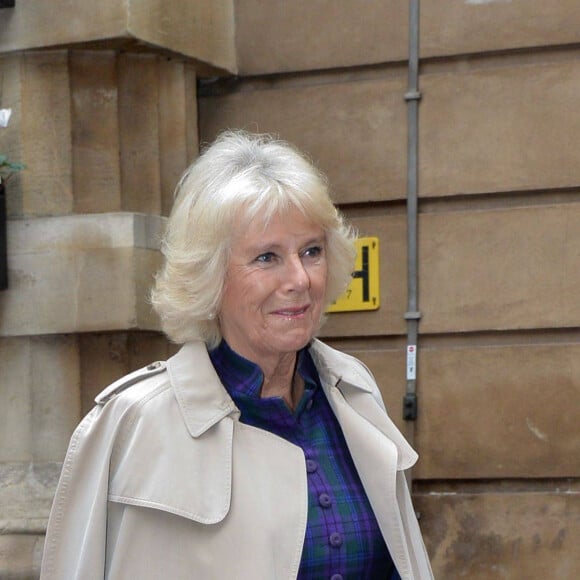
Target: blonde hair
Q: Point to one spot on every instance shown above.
(239, 176)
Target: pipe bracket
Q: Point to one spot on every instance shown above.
(412, 315)
(413, 96)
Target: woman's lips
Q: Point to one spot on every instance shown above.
(294, 311)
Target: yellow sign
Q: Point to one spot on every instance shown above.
(363, 291)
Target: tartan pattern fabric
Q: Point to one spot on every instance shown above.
(343, 539)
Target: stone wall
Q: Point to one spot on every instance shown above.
(105, 115)
(497, 484)
(105, 134)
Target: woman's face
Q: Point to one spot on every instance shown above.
(275, 286)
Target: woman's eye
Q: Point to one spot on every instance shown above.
(313, 252)
(265, 258)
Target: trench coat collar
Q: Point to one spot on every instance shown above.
(204, 401)
(346, 379)
(333, 367)
(202, 398)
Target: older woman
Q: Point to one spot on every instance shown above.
(256, 452)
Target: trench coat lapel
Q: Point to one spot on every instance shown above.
(378, 449)
(376, 458)
(207, 403)
(193, 481)
(358, 387)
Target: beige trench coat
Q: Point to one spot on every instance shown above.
(161, 480)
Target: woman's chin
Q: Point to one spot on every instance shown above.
(292, 341)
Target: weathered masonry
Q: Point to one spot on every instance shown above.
(109, 102)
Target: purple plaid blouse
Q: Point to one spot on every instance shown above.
(343, 539)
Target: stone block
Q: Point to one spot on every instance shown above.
(20, 556)
(500, 128)
(191, 117)
(46, 113)
(15, 400)
(500, 269)
(139, 133)
(510, 535)
(95, 126)
(81, 273)
(39, 409)
(321, 34)
(476, 26)
(55, 395)
(503, 411)
(283, 36)
(26, 494)
(203, 30)
(174, 126)
(354, 131)
(40, 397)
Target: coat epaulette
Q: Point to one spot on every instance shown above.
(129, 380)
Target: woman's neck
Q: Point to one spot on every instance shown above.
(281, 379)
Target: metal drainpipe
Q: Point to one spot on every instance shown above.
(412, 316)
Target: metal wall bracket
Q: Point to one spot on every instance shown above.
(412, 315)
(413, 96)
(410, 407)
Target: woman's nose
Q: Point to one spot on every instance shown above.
(297, 277)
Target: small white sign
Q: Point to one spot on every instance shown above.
(5, 115)
(411, 362)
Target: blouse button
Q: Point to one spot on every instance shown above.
(311, 465)
(335, 540)
(324, 500)
(336, 577)
(309, 404)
